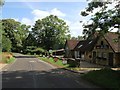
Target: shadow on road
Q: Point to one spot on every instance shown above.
(54, 78)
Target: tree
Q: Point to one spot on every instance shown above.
(74, 38)
(50, 32)
(29, 41)
(15, 32)
(103, 20)
(6, 44)
(77, 38)
(2, 3)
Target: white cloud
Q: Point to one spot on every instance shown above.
(112, 29)
(68, 22)
(45, 0)
(74, 26)
(76, 29)
(16, 19)
(57, 12)
(39, 14)
(27, 21)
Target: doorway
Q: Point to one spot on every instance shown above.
(110, 59)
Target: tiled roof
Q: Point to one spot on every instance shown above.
(72, 43)
(86, 45)
(112, 39)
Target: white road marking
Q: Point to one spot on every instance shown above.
(18, 77)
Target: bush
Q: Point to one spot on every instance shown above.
(34, 50)
(6, 57)
(38, 51)
(10, 60)
(6, 44)
(72, 63)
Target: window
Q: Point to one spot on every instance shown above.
(90, 42)
(102, 55)
(80, 46)
(101, 42)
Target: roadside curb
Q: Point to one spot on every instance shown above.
(60, 67)
(79, 72)
(70, 70)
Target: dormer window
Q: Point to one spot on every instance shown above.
(80, 46)
(90, 42)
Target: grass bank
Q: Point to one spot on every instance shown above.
(6, 57)
(56, 62)
(106, 78)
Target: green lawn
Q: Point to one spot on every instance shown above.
(51, 60)
(105, 77)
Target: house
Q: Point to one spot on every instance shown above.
(102, 49)
(69, 48)
(83, 49)
(106, 51)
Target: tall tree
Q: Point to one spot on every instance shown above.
(50, 32)
(1, 4)
(15, 32)
(104, 19)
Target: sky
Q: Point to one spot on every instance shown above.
(28, 12)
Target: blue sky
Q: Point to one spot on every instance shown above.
(29, 12)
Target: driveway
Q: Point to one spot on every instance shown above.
(30, 72)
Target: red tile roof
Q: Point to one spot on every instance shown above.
(72, 44)
(112, 39)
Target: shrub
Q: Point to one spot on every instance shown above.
(55, 59)
(72, 63)
(34, 50)
(6, 57)
(6, 44)
(38, 51)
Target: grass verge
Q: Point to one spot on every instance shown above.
(12, 59)
(52, 61)
(106, 78)
(6, 57)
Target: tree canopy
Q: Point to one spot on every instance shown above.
(15, 32)
(104, 20)
(50, 32)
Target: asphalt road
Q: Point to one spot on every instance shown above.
(30, 72)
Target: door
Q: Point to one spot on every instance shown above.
(94, 57)
(110, 59)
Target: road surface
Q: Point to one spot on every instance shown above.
(30, 72)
